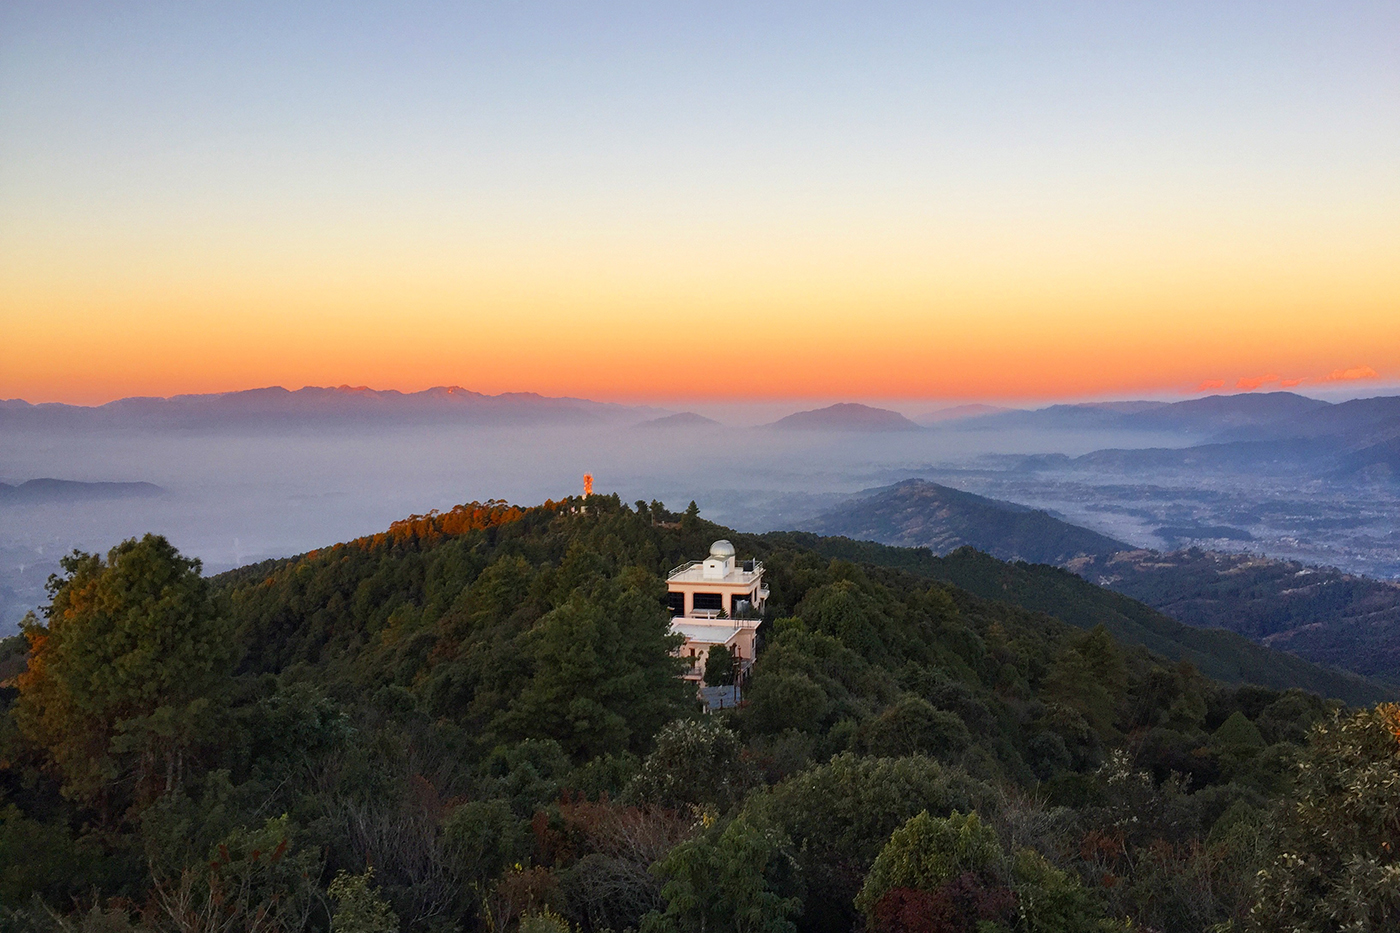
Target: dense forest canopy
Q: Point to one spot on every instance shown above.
(474, 722)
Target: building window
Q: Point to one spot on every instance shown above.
(711, 601)
(677, 601)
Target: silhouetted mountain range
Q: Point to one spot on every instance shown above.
(685, 419)
(318, 404)
(1318, 613)
(845, 416)
(958, 413)
(1209, 416)
(63, 490)
(1277, 431)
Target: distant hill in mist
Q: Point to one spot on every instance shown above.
(62, 490)
(958, 413)
(312, 404)
(1209, 416)
(1318, 613)
(845, 416)
(1355, 440)
(1279, 432)
(685, 419)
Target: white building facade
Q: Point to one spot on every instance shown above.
(716, 601)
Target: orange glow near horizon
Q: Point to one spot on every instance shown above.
(875, 333)
(856, 202)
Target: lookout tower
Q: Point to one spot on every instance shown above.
(716, 601)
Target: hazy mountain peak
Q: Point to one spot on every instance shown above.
(919, 513)
(685, 419)
(846, 416)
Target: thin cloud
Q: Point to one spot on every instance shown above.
(1350, 375)
(1211, 384)
(1250, 383)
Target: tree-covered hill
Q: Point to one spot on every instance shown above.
(921, 514)
(1219, 654)
(1319, 614)
(473, 722)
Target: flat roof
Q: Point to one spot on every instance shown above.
(700, 631)
(694, 572)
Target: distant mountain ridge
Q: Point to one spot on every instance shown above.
(1280, 431)
(919, 513)
(318, 403)
(1209, 416)
(1318, 613)
(685, 419)
(845, 416)
(65, 490)
(958, 413)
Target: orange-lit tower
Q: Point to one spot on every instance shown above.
(587, 485)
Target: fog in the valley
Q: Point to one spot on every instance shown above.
(237, 494)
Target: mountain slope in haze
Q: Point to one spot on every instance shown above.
(64, 490)
(315, 404)
(1278, 431)
(845, 416)
(958, 413)
(685, 419)
(918, 513)
(1216, 652)
(1206, 417)
(1318, 613)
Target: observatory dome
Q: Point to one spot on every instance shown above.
(721, 549)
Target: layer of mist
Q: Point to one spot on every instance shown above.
(234, 493)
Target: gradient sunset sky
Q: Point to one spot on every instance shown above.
(666, 200)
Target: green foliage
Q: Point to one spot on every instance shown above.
(1219, 654)
(1338, 860)
(125, 674)
(253, 879)
(358, 909)
(927, 852)
(727, 879)
(1091, 678)
(482, 838)
(484, 706)
(1049, 900)
(696, 765)
(603, 677)
(960, 855)
(720, 666)
(38, 858)
(913, 727)
(840, 814)
(546, 921)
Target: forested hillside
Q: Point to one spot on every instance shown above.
(1317, 613)
(473, 722)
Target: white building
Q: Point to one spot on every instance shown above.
(716, 601)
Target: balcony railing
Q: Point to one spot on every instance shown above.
(747, 570)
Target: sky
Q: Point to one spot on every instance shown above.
(730, 201)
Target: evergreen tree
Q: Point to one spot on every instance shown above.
(125, 674)
(719, 666)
